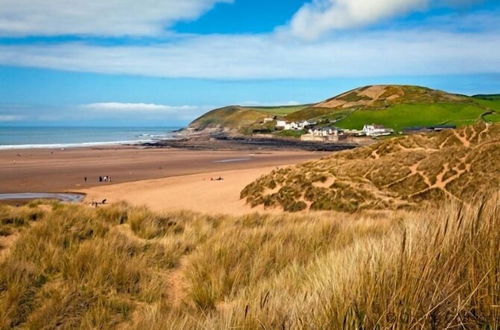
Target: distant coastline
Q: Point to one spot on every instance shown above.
(12, 138)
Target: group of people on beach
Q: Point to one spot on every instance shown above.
(106, 178)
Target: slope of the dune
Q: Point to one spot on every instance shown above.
(396, 173)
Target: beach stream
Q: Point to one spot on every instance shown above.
(63, 197)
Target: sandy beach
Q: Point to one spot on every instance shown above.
(197, 192)
(164, 179)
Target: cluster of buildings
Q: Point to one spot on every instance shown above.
(294, 126)
(324, 134)
(376, 130)
(333, 134)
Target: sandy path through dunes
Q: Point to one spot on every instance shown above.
(189, 192)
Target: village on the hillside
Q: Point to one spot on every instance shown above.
(321, 132)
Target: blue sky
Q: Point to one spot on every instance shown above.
(123, 62)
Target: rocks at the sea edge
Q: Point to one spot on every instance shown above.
(223, 141)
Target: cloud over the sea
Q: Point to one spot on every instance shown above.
(140, 110)
(10, 118)
(136, 107)
(96, 17)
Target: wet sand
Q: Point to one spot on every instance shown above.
(56, 170)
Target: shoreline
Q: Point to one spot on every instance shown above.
(65, 170)
(82, 137)
(23, 147)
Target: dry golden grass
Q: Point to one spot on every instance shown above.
(125, 267)
(379, 96)
(393, 174)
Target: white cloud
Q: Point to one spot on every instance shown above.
(149, 111)
(135, 107)
(321, 16)
(96, 17)
(420, 51)
(9, 118)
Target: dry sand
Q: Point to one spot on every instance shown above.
(195, 192)
(163, 179)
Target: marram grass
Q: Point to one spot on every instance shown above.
(65, 266)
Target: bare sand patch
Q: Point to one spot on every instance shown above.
(197, 192)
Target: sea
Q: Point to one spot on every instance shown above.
(72, 137)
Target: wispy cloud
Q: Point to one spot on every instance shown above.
(9, 118)
(96, 17)
(136, 107)
(421, 51)
(142, 111)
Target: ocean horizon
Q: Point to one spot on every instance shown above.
(73, 137)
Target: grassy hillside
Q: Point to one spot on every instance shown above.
(399, 107)
(280, 110)
(392, 174)
(406, 115)
(239, 118)
(390, 105)
(232, 117)
(119, 267)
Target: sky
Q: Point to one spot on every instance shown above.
(165, 62)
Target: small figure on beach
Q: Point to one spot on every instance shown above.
(100, 179)
(85, 179)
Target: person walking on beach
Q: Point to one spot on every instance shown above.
(100, 179)
(85, 179)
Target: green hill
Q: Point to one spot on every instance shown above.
(395, 106)
(396, 173)
(239, 118)
(399, 107)
(487, 96)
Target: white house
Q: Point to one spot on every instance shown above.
(376, 130)
(305, 124)
(325, 131)
(288, 126)
(325, 134)
(281, 123)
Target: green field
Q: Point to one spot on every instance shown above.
(405, 115)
